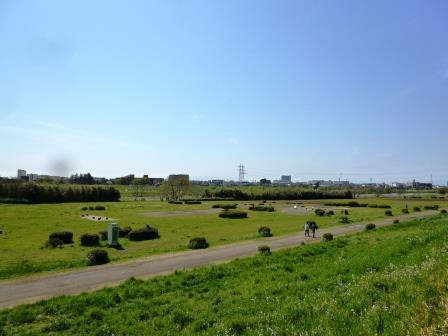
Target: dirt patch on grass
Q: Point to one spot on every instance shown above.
(97, 218)
(180, 213)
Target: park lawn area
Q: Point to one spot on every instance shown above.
(26, 229)
(389, 281)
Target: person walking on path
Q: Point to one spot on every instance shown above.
(307, 229)
(313, 227)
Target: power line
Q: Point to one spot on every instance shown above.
(241, 172)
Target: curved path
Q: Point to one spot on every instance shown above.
(35, 288)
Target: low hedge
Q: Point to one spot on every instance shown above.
(431, 207)
(124, 231)
(416, 209)
(443, 211)
(103, 235)
(53, 243)
(198, 243)
(352, 204)
(370, 227)
(146, 233)
(264, 250)
(319, 212)
(90, 239)
(100, 207)
(267, 208)
(264, 231)
(175, 202)
(233, 214)
(97, 257)
(327, 236)
(405, 210)
(388, 213)
(192, 202)
(65, 236)
(344, 220)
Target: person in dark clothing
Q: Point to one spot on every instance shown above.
(313, 227)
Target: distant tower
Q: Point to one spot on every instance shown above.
(241, 172)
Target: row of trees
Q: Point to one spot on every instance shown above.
(35, 193)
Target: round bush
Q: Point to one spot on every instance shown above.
(264, 250)
(175, 202)
(192, 202)
(233, 214)
(443, 211)
(97, 257)
(396, 221)
(344, 220)
(84, 208)
(330, 213)
(267, 208)
(103, 235)
(90, 239)
(388, 213)
(319, 212)
(405, 210)
(146, 233)
(198, 243)
(54, 242)
(124, 232)
(100, 207)
(264, 231)
(65, 236)
(417, 209)
(327, 236)
(370, 227)
(224, 206)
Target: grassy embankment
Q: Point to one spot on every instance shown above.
(391, 281)
(26, 228)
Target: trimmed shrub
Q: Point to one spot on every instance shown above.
(97, 257)
(319, 212)
(396, 221)
(327, 236)
(54, 242)
(267, 208)
(373, 205)
(192, 202)
(330, 213)
(384, 206)
(65, 236)
(91, 208)
(90, 239)
(103, 235)
(264, 250)
(388, 213)
(431, 207)
(84, 208)
(416, 209)
(370, 227)
(405, 210)
(224, 206)
(443, 211)
(233, 214)
(175, 202)
(264, 231)
(124, 232)
(100, 207)
(344, 220)
(198, 243)
(146, 233)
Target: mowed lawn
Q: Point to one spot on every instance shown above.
(26, 229)
(389, 281)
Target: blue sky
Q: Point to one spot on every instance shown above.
(316, 89)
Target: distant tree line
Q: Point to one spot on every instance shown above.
(82, 179)
(24, 192)
(239, 195)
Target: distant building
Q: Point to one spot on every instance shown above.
(218, 183)
(421, 185)
(285, 178)
(264, 181)
(178, 176)
(32, 177)
(21, 173)
(156, 181)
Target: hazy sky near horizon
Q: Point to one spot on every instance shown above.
(315, 89)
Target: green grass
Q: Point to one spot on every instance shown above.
(389, 281)
(26, 228)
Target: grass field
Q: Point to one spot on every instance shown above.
(391, 281)
(26, 228)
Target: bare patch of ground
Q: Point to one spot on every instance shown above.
(97, 218)
(180, 213)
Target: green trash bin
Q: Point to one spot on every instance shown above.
(112, 234)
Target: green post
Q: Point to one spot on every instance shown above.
(112, 234)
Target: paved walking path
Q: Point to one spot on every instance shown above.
(35, 288)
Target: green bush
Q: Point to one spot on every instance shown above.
(431, 207)
(396, 221)
(192, 202)
(373, 205)
(264, 231)
(344, 220)
(65, 236)
(267, 208)
(103, 235)
(224, 206)
(90, 239)
(327, 236)
(84, 208)
(97, 257)
(198, 243)
(388, 213)
(384, 206)
(146, 233)
(264, 250)
(124, 232)
(443, 211)
(319, 212)
(54, 242)
(233, 214)
(330, 213)
(405, 210)
(175, 202)
(370, 227)
(416, 209)
(100, 207)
